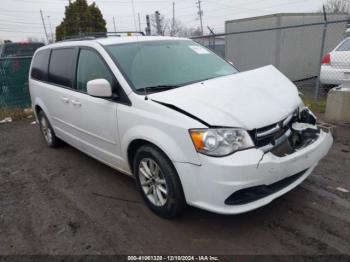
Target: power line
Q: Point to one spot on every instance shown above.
(228, 16)
(15, 32)
(99, 1)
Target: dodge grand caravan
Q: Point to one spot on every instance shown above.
(183, 122)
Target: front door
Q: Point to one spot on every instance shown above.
(94, 119)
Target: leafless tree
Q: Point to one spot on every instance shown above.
(178, 29)
(165, 26)
(337, 6)
(183, 31)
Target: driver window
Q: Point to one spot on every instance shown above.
(90, 67)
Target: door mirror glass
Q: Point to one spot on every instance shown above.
(99, 88)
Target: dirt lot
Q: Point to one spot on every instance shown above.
(60, 201)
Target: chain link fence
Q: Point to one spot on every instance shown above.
(312, 50)
(335, 68)
(14, 91)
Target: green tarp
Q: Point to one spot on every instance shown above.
(14, 91)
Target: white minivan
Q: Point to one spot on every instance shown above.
(182, 121)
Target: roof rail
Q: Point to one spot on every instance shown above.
(94, 35)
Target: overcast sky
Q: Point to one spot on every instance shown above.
(20, 19)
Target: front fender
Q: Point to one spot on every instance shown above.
(176, 146)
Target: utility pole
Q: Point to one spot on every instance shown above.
(134, 14)
(213, 34)
(138, 14)
(115, 28)
(173, 27)
(48, 18)
(200, 13)
(148, 25)
(42, 19)
(324, 34)
(159, 28)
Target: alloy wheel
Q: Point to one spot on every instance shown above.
(153, 182)
(45, 128)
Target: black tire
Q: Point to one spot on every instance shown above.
(326, 88)
(175, 203)
(53, 141)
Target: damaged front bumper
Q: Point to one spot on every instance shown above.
(263, 175)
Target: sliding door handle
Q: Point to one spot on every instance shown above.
(76, 103)
(65, 100)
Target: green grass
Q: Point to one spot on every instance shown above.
(318, 106)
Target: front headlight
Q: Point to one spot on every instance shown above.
(220, 141)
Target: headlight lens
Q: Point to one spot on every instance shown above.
(220, 141)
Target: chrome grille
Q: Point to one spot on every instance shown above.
(268, 137)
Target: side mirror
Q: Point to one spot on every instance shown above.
(99, 88)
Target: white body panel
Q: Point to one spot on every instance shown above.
(338, 71)
(104, 129)
(219, 100)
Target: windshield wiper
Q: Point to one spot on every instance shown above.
(158, 88)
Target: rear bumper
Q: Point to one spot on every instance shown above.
(333, 76)
(208, 186)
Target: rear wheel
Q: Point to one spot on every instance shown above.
(326, 88)
(158, 182)
(47, 130)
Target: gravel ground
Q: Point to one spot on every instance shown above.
(60, 201)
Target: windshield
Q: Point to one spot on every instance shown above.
(168, 64)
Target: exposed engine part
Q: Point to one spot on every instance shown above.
(306, 116)
(300, 127)
(304, 132)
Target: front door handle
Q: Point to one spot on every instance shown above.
(65, 100)
(76, 103)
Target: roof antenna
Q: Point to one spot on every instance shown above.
(145, 89)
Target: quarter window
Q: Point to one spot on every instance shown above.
(40, 65)
(61, 70)
(90, 67)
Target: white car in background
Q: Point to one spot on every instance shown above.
(182, 121)
(335, 68)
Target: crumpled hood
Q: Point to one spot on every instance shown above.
(250, 100)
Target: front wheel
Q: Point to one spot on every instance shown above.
(47, 130)
(158, 182)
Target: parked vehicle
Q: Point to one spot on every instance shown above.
(335, 68)
(182, 121)
(18, 49)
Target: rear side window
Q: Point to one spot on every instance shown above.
(344, 46)
(40, 65)
(61, 69)
(90, 67)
